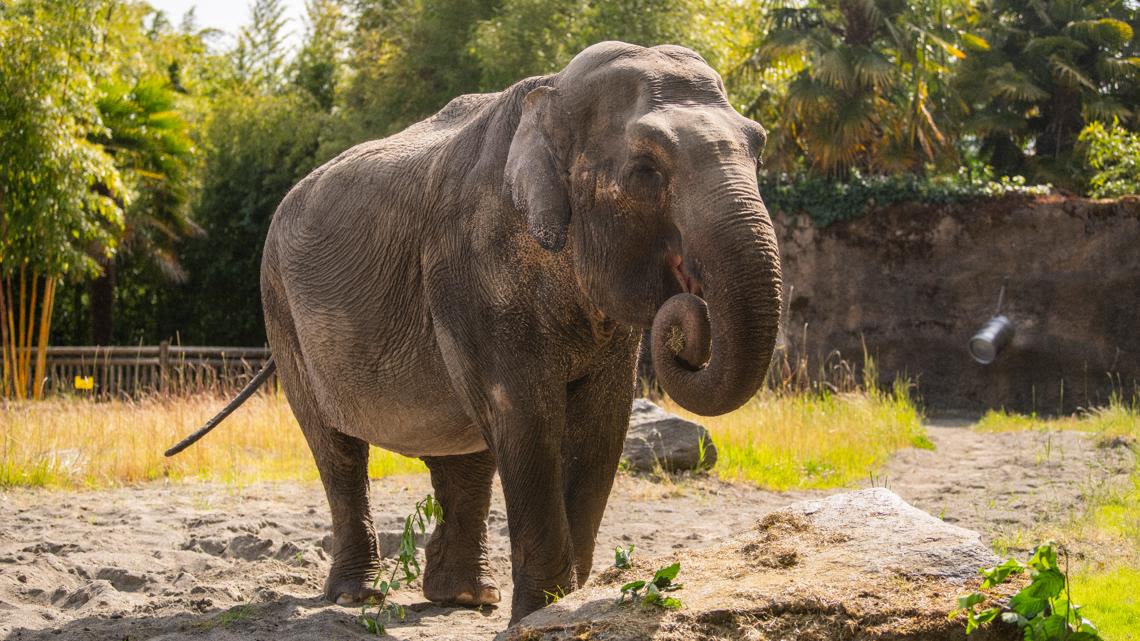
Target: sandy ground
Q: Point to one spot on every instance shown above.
(199, 561)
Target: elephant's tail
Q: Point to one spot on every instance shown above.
(244, 394)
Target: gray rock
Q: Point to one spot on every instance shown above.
(857, 565)
(656, 437)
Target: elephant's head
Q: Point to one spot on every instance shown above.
(635, 159)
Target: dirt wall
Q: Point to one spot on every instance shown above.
(914, 282)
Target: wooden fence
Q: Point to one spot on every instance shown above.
(128, 372)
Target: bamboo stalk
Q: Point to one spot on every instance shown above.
(22, 328)
(10, 342)
(4, 343)
(31, 334)
(45, 327)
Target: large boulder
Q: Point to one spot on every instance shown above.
(656, 437)
(861, 565)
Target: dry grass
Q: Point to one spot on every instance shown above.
(812, 439)
(778, 440)
(68, 442)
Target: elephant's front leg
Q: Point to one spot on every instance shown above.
(597, 417)
(526, 433)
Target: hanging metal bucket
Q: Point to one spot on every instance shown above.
(991, 339)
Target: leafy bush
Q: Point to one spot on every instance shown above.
(1043, 609)
(826, 201)
(1114, 155)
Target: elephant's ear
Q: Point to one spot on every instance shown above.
(535, 174)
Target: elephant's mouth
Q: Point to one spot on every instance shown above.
(684, 273)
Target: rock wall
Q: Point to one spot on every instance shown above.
(914, 282)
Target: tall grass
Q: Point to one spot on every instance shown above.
(827, 429)
(814, 427)
(1117, 419)
(812, 440)
(71, 442)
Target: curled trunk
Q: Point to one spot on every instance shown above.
(734, 327)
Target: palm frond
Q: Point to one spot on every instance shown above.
(1105, 109)
(974, 41)
(871, 68)
(1009, 83)
(1048, 45)
(1067, 74)
(1105, 32)
(1117, 68)
(834, 69)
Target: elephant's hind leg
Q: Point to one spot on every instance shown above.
(342, 461)
(458, 570)
(343, 464)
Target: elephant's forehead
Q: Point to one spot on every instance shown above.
(632, 71)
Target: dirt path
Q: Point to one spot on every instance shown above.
(200, 561)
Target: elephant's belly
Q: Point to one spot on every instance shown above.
(417, 431)
(405, 405)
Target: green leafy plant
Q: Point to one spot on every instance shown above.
(655, 589)
(1043, 610)
(1114, 155)
(379, 612)
(828, 201)
(623, 557)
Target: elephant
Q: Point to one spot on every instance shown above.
(472, 291)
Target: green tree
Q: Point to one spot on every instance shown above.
(60, 192)
(531, 37)
(257, 147)
(1038, 72)
(259, 59)
(857, 84)
(318, 65)
(150, 142)
(409, 58)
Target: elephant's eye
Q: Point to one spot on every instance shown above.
(643, 180)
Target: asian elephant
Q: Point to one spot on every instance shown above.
(471, 290)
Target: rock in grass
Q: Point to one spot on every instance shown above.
(656, 437)
(860, 565)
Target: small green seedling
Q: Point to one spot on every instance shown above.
(654, 589)
(427, 511)
(1043, 610)
(623, 558)
(555, 595)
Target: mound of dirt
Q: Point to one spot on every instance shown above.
(860, 565)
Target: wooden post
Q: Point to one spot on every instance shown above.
(163, 367)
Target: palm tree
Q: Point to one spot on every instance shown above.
(151, 145)
(863, 84)
(1039, 71)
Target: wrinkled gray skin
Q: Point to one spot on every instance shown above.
(469, 291)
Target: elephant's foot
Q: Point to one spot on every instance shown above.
(457, 590)
(350, 590)
(466, 583)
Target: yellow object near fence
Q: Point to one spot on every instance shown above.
(84, 382)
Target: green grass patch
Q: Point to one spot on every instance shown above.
(1111, 599)
(813, 440)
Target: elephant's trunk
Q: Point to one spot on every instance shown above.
(739, 270)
